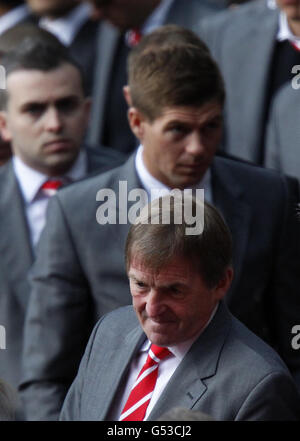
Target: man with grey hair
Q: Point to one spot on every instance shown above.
(179, 345)
(175, 96)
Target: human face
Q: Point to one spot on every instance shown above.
(174, 304)
(51, 8)
(291, 8)
(46, 117)
(179, 146)
(124, 14)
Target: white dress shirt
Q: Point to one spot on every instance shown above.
(156, 188)
(66, 28)
(35, 200)
(166, 369)
(13, 17)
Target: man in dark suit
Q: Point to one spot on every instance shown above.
(117, 34)
(256, 46)
(70, 22)
(176, 96)
(185, 349)
(44, 114)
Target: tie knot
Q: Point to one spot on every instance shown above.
(51, 186)
(133, 37)
(158, 353)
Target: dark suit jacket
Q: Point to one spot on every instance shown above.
(214, 376)
(84, 51)
(242, 41)
(80, 274)
(16, 257)
(107, 45)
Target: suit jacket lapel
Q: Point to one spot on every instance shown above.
(228, 198)
(106, 47)
(128, 175)
(186, 387)
(15, 248)
(120, 363)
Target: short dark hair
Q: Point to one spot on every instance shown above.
(156, 244)
(14, 36)
(172, 67)
(43, 54)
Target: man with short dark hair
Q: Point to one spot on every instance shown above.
(80, 274)
(185, 349)
(123, 24)
(44, 114)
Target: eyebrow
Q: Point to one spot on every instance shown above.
(38, 102)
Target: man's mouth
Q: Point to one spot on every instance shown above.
(57, 145)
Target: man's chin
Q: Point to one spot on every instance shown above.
(160, 337)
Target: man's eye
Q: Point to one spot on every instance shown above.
(179, 130)
(35, 109)
(67, 105)
(214, 125)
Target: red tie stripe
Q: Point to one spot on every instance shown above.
(142, 390)
(51, 186)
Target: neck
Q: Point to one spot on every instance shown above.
(294, 26)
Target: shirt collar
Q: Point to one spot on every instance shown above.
(157, 18)
(272, 4)
(11, 18)
(66, 28)
(31, 180)
(149, 182)
(284, 31)
(180, 350)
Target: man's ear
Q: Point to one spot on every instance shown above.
(127, 95)
(136, 121)
(4, 130)
(224, 284)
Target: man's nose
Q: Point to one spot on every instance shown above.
(53, 120)
(195, 145)
(155, 304)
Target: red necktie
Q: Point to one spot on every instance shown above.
(51, 186)
(142, 390)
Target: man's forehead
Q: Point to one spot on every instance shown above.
(209, 110)
(177, 268)
(35, 83)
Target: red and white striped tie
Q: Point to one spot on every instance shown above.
(51, 186)
(142, 390)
